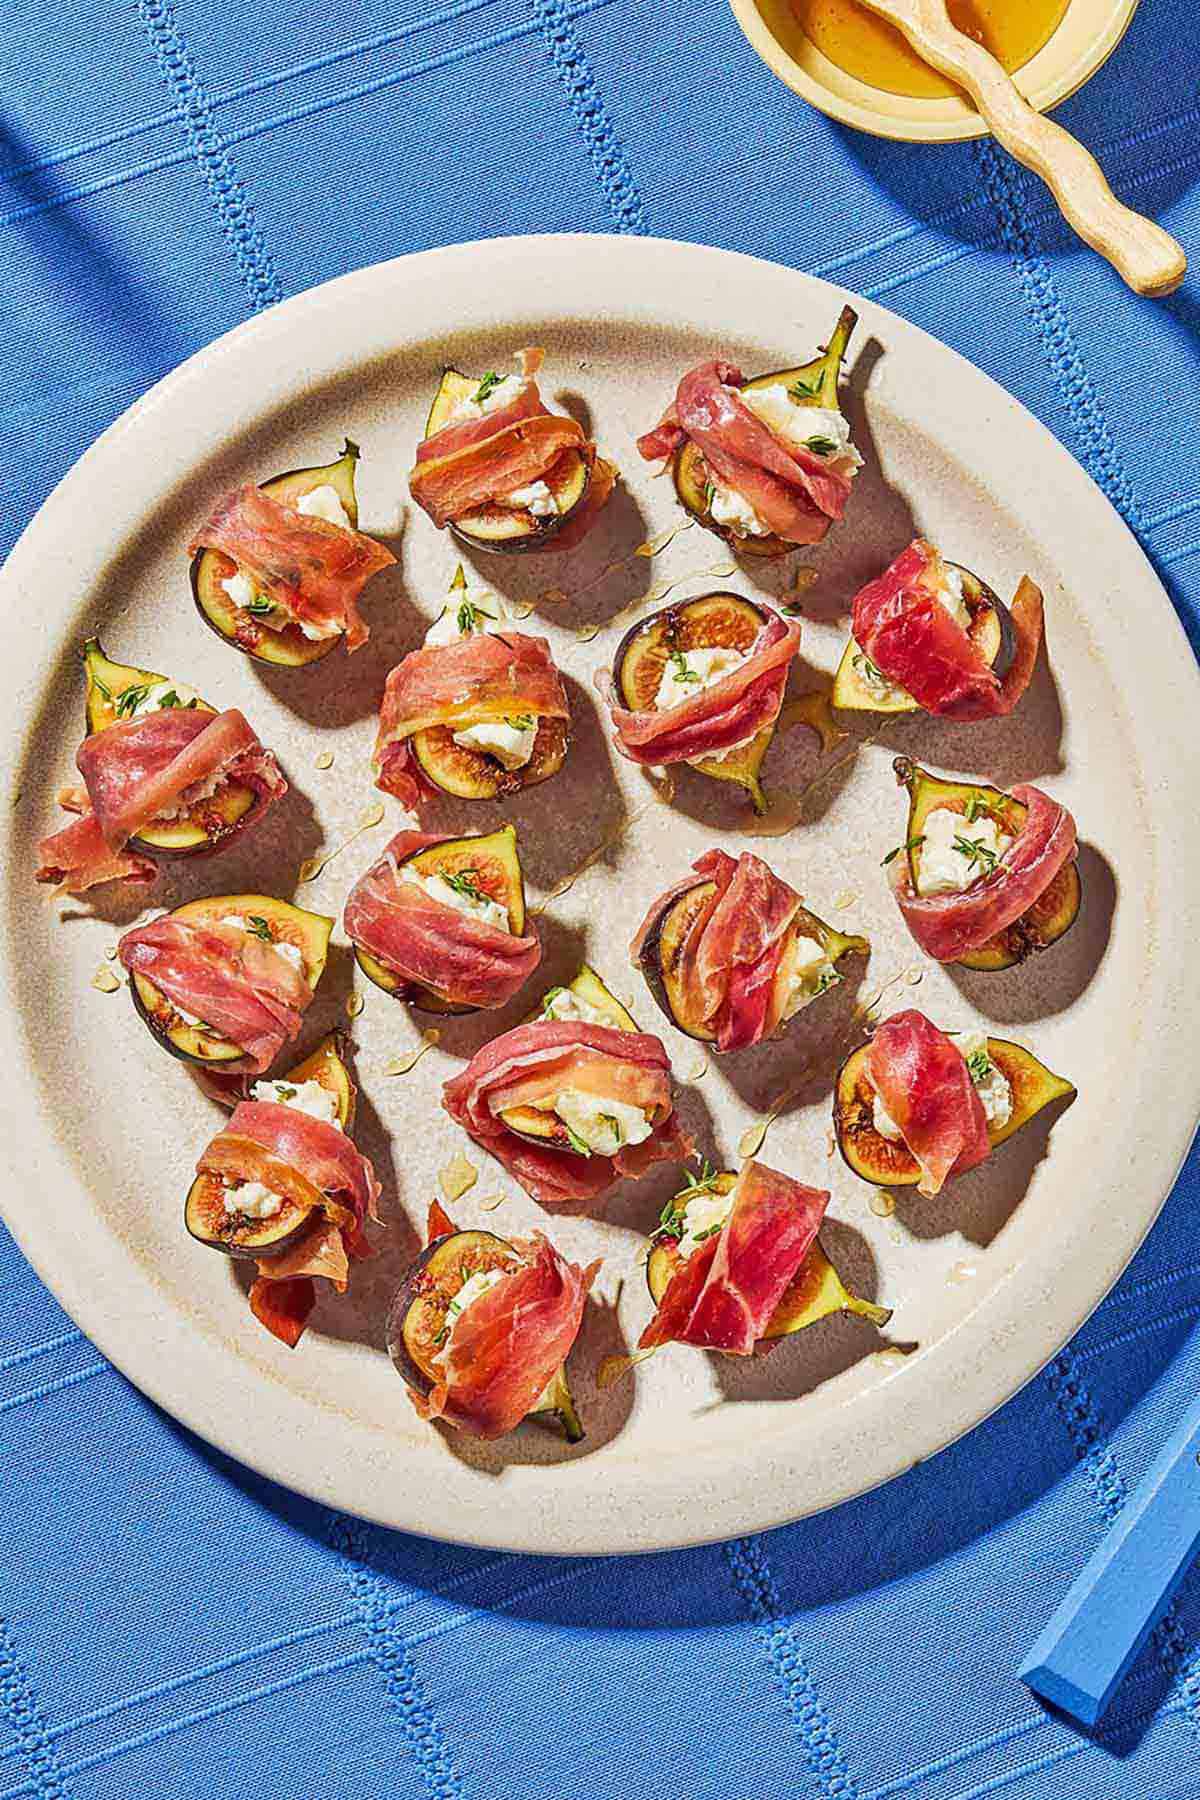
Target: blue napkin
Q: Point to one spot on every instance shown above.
(170, 1624)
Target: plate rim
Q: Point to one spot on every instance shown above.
(41, 1235)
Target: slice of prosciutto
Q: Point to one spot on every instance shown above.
(141, 770)
(899, 623)
(715, 718)
(947, 926)
(314, 1164)
(508, 1345)
(312, 570)
(795, 492)
(722, 1297)
(234, 981)
(924, 1085)
(487, 675)
(730, 958)
(533, 1063)
(464, 959)
(473, 463)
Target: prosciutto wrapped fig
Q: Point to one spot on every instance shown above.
(917, 1105)
(481, 1329)
(501, 470)
(765, 464)
(284, 1186)
(164, 775)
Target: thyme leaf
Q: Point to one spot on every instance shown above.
(912, 844)
(491, 380)
(465, 882)
(258, 927)
(131, 699)
(976, 853)
(800, 390)
(576, 1142)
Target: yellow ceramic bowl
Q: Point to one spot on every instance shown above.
(1087, 36)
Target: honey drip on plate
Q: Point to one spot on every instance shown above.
(867, 1007)
(656, 545)
(787, 808)
(882, 1204)
(402, 1065)
(105, 981)
(354, 1005)
(814, 710)
(367, 821)
(754, 1136)
(324, 760)
(490, 1202)
(698, 1070)
(457, 1178)
(568, 881)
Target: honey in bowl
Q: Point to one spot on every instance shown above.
(875, 52)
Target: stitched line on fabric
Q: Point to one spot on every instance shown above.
(19, 1707)
(237, 1659)
(595, 124)
(1177, 1316)
(1180, 555)
(390, 1655)
(201, 1716)
(1040, 1720)
(1032, 212)
(288, 1640)
(1097, 446)
(244, 90)
(255, 263)
(45, 1388)
(1079, 1414)
(1040, 1764)
(292, 115)
(43, 1349)
(755, 1584)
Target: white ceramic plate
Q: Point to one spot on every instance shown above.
(100, 1129)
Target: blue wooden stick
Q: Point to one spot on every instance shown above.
(1124, 1588)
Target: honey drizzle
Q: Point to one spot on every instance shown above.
(312, 866)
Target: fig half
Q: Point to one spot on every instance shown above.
(416, 1324)
(492, 866)
(714, 620)
(877, 1159)
(814, 383)
(249, 631)
(113, 691)
(990, 629)
(511, 529)
(277, 921)
(235, 1234)
(1052, 914)
(814, 1292)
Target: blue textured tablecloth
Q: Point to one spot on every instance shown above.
(170, 1624)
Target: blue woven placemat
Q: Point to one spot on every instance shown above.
(170, 1624)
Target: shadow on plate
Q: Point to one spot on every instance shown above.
(980, 1203)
